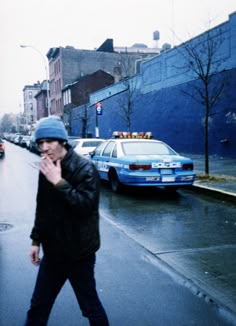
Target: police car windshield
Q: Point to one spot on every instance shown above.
(146, 148)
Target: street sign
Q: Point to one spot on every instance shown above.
(99, 108)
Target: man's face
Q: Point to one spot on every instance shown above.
(52, 149)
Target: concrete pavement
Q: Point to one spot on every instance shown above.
(222, 174)
(220, 282)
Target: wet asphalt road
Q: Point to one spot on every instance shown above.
(134, 282)
(193, 233)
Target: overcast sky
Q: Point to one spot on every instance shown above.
(86, 25)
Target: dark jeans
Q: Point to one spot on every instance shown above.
(50, 280)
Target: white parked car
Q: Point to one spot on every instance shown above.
(25, 141)
(84, 146)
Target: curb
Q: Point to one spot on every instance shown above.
(217, 191)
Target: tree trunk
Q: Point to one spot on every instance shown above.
(206, 145)
(84, 123)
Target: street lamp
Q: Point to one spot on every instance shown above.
(47, 75)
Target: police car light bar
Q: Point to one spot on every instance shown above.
(135, 134)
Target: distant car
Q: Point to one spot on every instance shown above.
(2, 148)
(25, 141)
(141, 162)
(17, 138)
(33, 146)
(84, 146)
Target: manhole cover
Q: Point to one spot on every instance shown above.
(5, 226)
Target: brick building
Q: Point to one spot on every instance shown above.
(41, 99)
(67, 65)
(78, 92)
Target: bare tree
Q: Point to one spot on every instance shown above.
(84, 117)
(7, 123)
(126, 100)
(202, 59)
(86, 121)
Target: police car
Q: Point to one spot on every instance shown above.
(135, 159)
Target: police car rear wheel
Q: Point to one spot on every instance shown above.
(115, 183)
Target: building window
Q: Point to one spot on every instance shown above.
(52, 87)
(57, 67)
(66, 96)
(69, 96)
(30, 95)
(60, 101)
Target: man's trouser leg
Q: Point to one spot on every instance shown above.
(81, 277)
(49, 282)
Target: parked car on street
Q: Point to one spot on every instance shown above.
(137, 160)
(33, 147)
(16, 139)
(2, 148)
(25, 141)
(72, 140)
(84, 146)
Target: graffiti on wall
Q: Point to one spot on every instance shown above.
(230, 117)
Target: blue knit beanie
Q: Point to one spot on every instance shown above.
(50, 128)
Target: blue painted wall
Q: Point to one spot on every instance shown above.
(160, 106)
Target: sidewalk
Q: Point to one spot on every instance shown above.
(222, 174)
(222, 181)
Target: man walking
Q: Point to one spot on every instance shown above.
(66, 226)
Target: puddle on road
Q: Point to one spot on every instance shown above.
(5, 226)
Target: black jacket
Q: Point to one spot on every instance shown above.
(67, 216)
